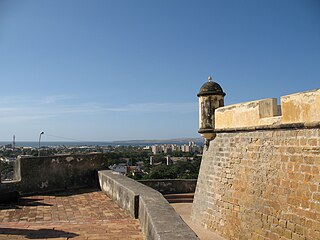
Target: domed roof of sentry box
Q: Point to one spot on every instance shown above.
(211, 88)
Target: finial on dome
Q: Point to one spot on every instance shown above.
(209, 79)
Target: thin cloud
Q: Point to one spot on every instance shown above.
(55, 106)
(27, 100)
(24, 118)
(57, 98)
(155, 107)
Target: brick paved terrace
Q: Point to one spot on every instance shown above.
(77, 214)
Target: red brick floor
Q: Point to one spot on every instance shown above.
(88, 214)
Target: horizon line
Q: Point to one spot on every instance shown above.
(132, 140)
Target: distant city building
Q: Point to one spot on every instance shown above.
(8, 146)
(156, 149)
(8, 159)
(121, 168)
(167, 149)
(140, 164)
(191, 147)
(180, 159)
(168, 161)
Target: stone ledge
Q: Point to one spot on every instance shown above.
(297, 108)
(301, 107)
(249, 114)
(122, 190)
(157, 218)
(271, 127)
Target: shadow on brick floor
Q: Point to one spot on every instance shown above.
(30, 202)
(71, 192)
(33, 202)
(37, 234)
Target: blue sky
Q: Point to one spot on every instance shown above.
(117, 70)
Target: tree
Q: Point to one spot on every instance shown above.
(162, 172)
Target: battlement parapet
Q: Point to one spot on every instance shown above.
(55, 173)
(300, 108)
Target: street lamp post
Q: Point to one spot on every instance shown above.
(39, 143)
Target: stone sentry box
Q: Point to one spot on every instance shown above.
(211, 97)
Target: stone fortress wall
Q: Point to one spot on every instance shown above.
(259, 178)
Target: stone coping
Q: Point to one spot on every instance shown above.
(271, 127)
(297, 108)
(157, 218)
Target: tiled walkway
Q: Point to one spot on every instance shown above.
(74, 215)
(184, 210)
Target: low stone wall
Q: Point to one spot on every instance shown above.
(157, 218)
(124, 191)
(54, 173)
(171, 186)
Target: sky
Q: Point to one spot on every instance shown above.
(102, 70)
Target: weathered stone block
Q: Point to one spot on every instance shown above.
(301, 107)
(58, 172)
